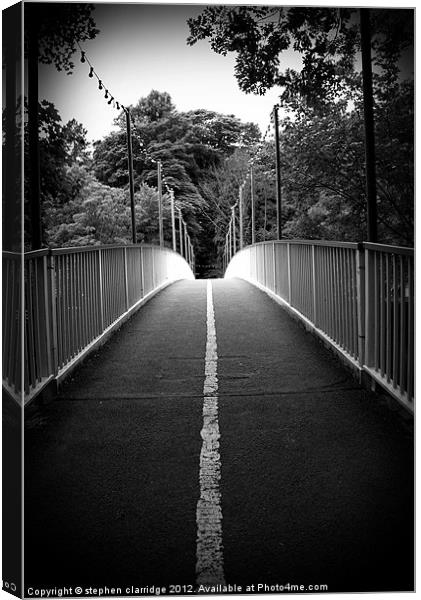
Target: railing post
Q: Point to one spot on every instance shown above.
(240, 215)
(52, 294)
(361, 302)
(274, 267)
(142, 273)
(160, 213)
(289, 273)
(101, 295)
(180, 230)
(369, 308)
(253, 208)
(174, 242)
(313, 270)
(234, 242)
(153, 268)
(126, 282)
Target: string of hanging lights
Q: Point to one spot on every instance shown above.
(186, 247)
(112, 100)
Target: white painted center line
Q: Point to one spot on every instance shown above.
(209, 549)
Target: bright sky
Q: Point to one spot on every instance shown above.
(143, 47)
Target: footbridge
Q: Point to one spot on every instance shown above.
(197, 435)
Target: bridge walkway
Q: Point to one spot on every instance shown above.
(316, 473)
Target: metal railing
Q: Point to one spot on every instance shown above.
(358, 297)
(11, 319)
(72, 297)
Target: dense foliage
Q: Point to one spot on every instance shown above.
(325, 39)
(323, 176)
(206, 156)
(58, 27)
(76, 189)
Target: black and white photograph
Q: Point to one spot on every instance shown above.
(208, 322)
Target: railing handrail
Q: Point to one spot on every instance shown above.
(334, 243)
(407, 250)
(10, 254)
(73, 249)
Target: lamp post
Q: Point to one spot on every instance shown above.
(161, 227)
(234, 242)
(240, 214)
(278, 173)
(174, 241)
(253, 210)
(180, 230)
(130, 166)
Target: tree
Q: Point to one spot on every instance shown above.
(61, 146)
(325, 37)
(100, 214)
(51, 33)
(189, 145)
(327, 40)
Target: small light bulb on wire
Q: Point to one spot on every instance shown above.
(82, 57)
(91, 72)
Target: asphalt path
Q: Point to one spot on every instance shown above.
(316, 480)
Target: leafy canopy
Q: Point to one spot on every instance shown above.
(58, 26)
(325, 40)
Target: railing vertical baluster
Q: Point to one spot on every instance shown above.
(92, 314)
(29, 320)
(85, 262)
(370, 309)
(65, 312)
(126, 281)
(402, 385)
(39, 322)
(47, 298)
(382, 316)
(410, 348)
(322, 288)
(388, 323)
(332, 303)
(96, 292)
(274, 267)
(100, 289)
(70, 305)
(153, 268)
(54, 320)
(361, 295)
(337, 305)
(314, 281)
(77, 303)
(354, 271)
(395, 323)
(76, 308)
(376, 336)
(348, 300)
(142, 274)
(341, 282)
